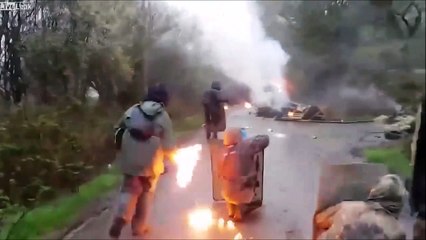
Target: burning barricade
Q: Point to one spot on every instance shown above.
(292, 111)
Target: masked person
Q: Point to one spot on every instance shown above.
(213, 100)
(146, 139)
(238, 169)
(375, 218)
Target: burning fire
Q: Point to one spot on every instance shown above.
(230, 225)
(247, 105)
(225, 107)
(186, 159)
(202, 220)
(290, 114)
(238, 236)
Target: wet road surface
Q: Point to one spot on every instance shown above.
(291, 169)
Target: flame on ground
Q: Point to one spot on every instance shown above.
(201, 219)
(247, 105)
(290, 114)
(230, 225)
(238, 236)
(221, 223)
(226, 107)
(186, 159)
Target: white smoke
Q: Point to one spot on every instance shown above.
(232, 39)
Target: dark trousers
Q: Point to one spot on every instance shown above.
(134, 204)
(209, 119)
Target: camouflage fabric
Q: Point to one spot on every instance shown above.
(360, 230)
(388, 193)
(376, 217)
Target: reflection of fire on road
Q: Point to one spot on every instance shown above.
(202, 220)
(186, 159)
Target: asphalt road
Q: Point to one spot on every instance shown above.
(291, 170)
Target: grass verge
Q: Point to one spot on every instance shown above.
(394, 158)
(61, 213)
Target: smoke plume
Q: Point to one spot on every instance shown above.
(230, 37)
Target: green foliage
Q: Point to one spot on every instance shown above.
(52, 152)
(62, 212)
(394, 158)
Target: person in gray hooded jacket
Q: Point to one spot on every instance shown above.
(147, 139)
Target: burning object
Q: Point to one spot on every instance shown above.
(238, 236)
(221, 223)
(201, 219)
(186, 159)
(230, 225)
(247, 105)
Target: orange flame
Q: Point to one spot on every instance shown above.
(230, 225)
(186, 159)
(201, 219)
(238, 236)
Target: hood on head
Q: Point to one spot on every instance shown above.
(152, 108)
(389, 193)
(232, 136)
(216, 85)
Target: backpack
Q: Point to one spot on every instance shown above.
(137, 134)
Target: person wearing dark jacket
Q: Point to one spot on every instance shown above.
(213, 100)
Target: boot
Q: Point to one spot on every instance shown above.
(142, 214)
(231, 209)
(238, 217)
(117, 227)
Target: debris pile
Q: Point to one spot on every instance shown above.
(397, 127)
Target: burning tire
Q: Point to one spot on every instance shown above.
(393, 135)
